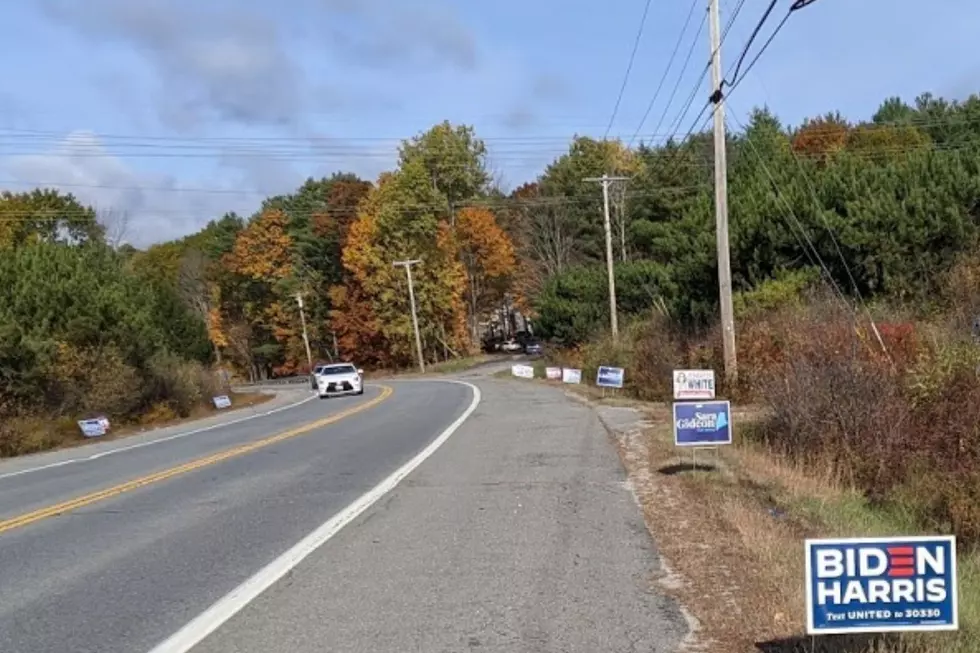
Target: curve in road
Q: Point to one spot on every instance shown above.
(125, 572)
(136, 483)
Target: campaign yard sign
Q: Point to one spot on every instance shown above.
(221, 401)
(694, 384)
(880, 585)
(93, 428)
(705, 424)
(610, 377)
(553, 373)
(522, 371)
(571, 375)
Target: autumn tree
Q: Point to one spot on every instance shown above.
(454, 161)
(487, 255)
(46, 216)
(401, 219)
(261, 260)
(823, 137)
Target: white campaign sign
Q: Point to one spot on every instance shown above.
(222, 401)
(569, 375)
(522, 371)
(553, 373)
(92, 428)
(694, 384)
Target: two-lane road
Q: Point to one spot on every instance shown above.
(118, 552)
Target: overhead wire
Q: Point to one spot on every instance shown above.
(670, 63)
(675, 125)
(487, 203)
(629, 67)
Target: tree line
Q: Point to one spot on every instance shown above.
(877, 208)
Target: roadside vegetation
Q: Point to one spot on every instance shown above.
(839, 432)
(854, 248)
(858, 286)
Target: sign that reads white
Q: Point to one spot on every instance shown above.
(694, 384)
(522, 371)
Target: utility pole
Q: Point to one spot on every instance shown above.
(721, 200)
(306, 338)
(411, 298)
(605, 180)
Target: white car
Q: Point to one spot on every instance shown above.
(339, 379)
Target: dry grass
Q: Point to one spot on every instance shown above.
(732, 540)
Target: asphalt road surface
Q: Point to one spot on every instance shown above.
(515, 532)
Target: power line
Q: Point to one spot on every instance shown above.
(670, 63)
(629, 68)
(489, 204)
(675, 125)
(755, 32)
(736, 79)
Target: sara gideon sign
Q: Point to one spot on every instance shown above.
(704, 424)
(880, 585)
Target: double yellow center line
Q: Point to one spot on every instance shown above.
(136, 483)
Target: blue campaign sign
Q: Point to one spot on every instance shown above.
(702, 425)
(880, 585)
(610, 377)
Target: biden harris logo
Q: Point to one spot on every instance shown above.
(881, 585)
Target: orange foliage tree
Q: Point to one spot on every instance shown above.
(821, 138)
(399, 219)
(262, 258)
(487, 254)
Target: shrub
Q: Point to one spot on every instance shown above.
(180, 383)
(89, 380)
(25, 435)
(901, 426)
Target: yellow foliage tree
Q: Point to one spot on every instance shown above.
(399, 220)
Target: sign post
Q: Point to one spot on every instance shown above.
(881, 585)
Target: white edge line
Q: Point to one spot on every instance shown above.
(229, 605)
(140, 445)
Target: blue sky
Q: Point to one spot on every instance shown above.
(126, 103)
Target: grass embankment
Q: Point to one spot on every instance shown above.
(28, 435)
(854, 436)
(731, 533)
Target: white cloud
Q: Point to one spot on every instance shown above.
(153, 205)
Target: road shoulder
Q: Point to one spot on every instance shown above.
(520, 533)
(282, 399)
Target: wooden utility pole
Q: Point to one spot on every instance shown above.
(411, 299)
(306, 338)
(721, 200)
(605, 180)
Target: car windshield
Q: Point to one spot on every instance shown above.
(332, 370)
